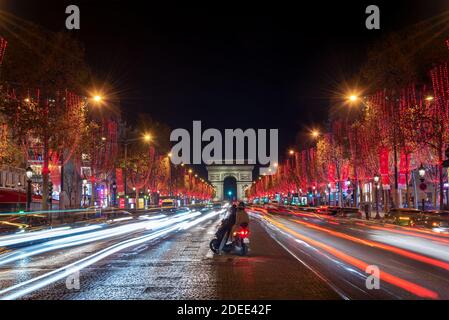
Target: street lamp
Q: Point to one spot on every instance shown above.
(315, 133)
(29, 174)
(84, 192)
(147, 138)
(97, 98)
(376, 179)
(114, 194)
(353, 98)
(422, 173)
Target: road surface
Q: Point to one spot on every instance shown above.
(411, 263)
(295, 255)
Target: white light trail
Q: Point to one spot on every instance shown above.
(26, 287)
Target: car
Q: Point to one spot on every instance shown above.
(402, 216)
(350, 212)
(437, 220)
(168, 204)
(329, 210)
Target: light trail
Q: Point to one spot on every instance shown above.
(359, 264)
(410, 233)
(23, 237)
(373, 244)
(26, 287)
(84, 238)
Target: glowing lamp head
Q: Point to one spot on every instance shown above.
(421, 171)
(147, 137)
(97, 98)
(29, 173)
(376, 178)
(353, 98)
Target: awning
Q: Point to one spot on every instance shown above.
(12, 196)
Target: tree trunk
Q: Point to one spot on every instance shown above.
(440, 179)
(407, 192)
(361, 192)
(415, 191)
(396, 200)
(45, 176)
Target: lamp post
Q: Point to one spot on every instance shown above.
(29, 174)
(84, 192)
(147, 138)
(422, 186)
(19, 186)
(114, 194)
(137, 197)
(348, 184)
(376, 193)
(314, 195)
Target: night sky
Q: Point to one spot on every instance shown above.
(255, 66)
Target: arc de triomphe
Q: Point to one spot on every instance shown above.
(243, 174)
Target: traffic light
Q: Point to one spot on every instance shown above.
(446, 162)
(50, 191)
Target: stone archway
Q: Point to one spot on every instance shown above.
(243, 174)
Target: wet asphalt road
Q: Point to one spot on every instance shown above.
(412, 263)
(178, 266)
(294, 255)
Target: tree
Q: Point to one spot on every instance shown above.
(41, 70)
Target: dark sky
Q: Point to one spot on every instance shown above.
(265, 65)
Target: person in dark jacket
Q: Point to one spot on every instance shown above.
(227, 224)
